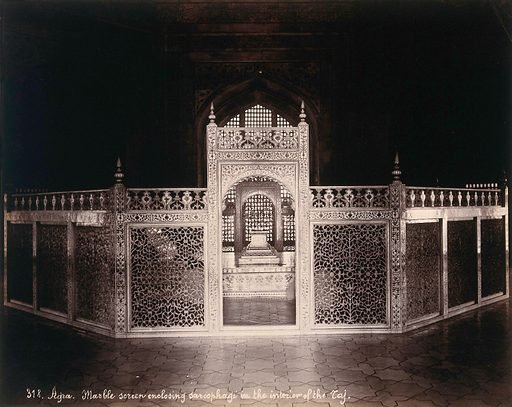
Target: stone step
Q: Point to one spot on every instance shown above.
(260, 259)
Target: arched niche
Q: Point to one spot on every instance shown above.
(283, 174)
(229, 101)
(282, 200)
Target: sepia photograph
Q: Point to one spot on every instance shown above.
(275, 203)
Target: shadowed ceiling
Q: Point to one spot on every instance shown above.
(84, 82)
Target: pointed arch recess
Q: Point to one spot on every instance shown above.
(235, 98)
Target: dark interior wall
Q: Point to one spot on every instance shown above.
(75, 92)
(434, 83)
(86, 82)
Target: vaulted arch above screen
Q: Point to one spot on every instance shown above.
(258, 116)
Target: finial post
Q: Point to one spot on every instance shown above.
(396, 168)
(212, 114)
(302, 114)
(504, 189)
(119, 175)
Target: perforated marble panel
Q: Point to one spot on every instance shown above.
(52, 267)
(462, 262)
(94, 274)
(167, 280)
(423, 269)
(19, 262)
(350, 273)
(493, 256)
(258, 215)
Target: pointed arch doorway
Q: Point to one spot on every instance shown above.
(282, 98)
(258, 231)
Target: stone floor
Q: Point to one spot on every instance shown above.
(259, 311)
(465, 361)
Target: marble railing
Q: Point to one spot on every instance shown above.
(350, 197)
(155, 199)
(479, 195)
(94, 200)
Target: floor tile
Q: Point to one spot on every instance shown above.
(437, 366)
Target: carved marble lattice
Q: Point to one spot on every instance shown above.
(257, 138)
(255, 128)
(118, 226)
(330, 214)
(258, 116)
(252, 155)
(397, 254)
(165, 199)
(303, 237)
(164, 217)
(462, 262)
(350, 273)
(19, 262)
(493, 256)
(258, 215)
(423, 269)
(213, 228)
(94, 274)
(52, 267)
(350, 197)
(167, 278)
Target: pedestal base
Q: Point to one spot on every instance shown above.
(259, 281)
(259, 251)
